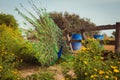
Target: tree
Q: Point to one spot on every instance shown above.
(8, 20)
(68, 21)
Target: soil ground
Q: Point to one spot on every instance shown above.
(109, 47)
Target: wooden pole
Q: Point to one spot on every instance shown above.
(69, 42)
(117, 38)
(83, 34)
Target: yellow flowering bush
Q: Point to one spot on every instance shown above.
(10, 38)
(13, 42)
(13, 48)
(90, 65)
(7, 63)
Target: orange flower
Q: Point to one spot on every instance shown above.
(101, 72)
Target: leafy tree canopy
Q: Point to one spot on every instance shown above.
(8, 20)
(74, 21)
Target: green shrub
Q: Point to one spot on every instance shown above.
(13, 49)
(89, 64)
(27, 53)
(8, 20)
(7, 64)
(13, 42)
(10, 38)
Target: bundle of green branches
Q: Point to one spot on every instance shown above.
(48, 34)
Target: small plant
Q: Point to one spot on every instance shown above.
(44, 75)
(67, 63)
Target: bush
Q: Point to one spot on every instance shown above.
(89, 63)
(11, 39)
(13, 49)
(7, 64)
(27, 53)
(13, 42)
(8, 20)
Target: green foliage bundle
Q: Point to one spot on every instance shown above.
(90, 65)
(8, 20)
(48, 34)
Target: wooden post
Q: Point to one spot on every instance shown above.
(69, 42)
(83, 35)
(117, 38)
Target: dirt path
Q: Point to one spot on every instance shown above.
(28, 70)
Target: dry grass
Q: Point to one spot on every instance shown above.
(109, 47)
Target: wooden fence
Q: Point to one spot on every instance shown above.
(102, 27)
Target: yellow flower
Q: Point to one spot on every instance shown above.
(85, 62)
(12, 54)
(82, 41)
(1, 67)
(63, 79)
(95, 69)
(116, 70)
(93, 76)
(101, 72)
(83, 48)
(106, 76)
(14, 72)
(110, 71)
(86, 73)
(101, 58)
(114, 67)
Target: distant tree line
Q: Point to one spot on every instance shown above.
(64, 21)
(67, 21)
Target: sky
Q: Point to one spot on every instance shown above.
(100, 12)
